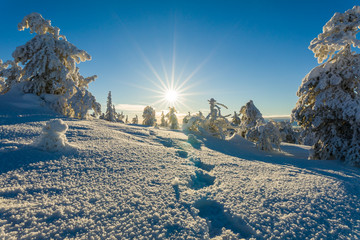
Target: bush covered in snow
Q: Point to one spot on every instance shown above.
(269, 136)
(149, 118)
(50, 70)
(329, 102)
(10, 73)
(53, 136)
(287, 132)
(214, 124)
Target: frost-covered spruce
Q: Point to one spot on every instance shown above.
(163, 122)
(110, 114)
(269, 136)
(53, 136)
(149, 118)
(193, 123)
(250, 117)
(50, 70)
(329, 101)
(172, 119)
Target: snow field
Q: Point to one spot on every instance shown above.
(125, 181)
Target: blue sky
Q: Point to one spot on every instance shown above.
(232, 51)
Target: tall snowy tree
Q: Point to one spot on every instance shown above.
(50, 70)
(171, 116)
(329, 101)
(149, 116)
(110, 114)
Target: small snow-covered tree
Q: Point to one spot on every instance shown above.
(126, 119)
(269, 137)
(149, 116)
(110, 114)
(329, 101)
(193, 123)
(163, 122)
(287, 133)
(235, 119)
(135, 120)
(172, 119)
(250, 117)
(49, 62)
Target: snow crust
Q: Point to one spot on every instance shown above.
(138, 182)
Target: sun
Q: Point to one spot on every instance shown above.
(171, 96)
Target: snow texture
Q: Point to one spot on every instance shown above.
(135, 182)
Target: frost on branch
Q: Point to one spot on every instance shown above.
(329, 101)
(53, 136)
(172, 119)
(149, 116)
(50, 69)
(339, 32)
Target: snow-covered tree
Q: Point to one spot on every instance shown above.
(329, 101)
(110, 114)
(250, 117)
(269, 137)
(49, 62)
(149, 116)
(172, 119)
(193, 123)
(10, 74)
(126, 119)
(135, 120)
(235, 119)
(287, 133)
(163, 122)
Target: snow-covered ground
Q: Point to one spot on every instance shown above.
(117, 181)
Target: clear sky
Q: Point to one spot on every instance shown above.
(232, 51)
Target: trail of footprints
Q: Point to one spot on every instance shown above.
(214, 213)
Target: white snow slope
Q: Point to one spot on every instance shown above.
(132, 182)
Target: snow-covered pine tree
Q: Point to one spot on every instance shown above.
(126, 119)
(50, 70)
(287, 133)
(135, 120)
(149, 118)
(110, 114)
(250, 117)
(163, 122)
(329, 100)
(172, 119)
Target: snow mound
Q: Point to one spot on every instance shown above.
(53, 136)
